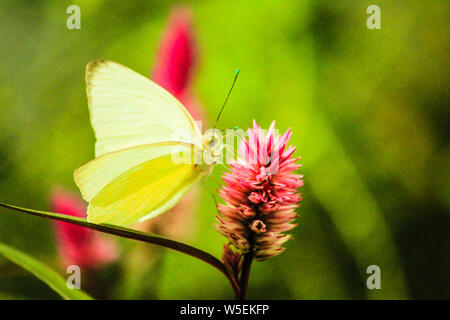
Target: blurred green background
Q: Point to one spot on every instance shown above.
(368, 110)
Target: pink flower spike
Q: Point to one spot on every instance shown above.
(176, 60)
(77, 245)
(260, 194)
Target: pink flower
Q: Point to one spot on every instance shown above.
(176, 60)
(260, 194)
(77, 245)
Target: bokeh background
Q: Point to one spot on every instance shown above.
(368, 110)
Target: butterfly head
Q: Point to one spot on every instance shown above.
(212, 145)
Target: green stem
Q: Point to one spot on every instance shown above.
(136, 235)
(245, 274)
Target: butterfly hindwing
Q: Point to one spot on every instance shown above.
(99, 172)
(143, 192)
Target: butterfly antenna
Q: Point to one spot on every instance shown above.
(228, 95)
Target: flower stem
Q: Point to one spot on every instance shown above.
(245, 275)
(136, 235)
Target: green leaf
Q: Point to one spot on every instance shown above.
(132, 234)
(43, 272)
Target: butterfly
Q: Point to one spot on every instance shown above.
(140, 129)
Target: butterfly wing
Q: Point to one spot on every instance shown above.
(138, 126)
(96, 174)
(136, 184)
(127, 110)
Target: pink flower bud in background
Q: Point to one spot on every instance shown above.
(176, 60)
(77, 245)
(260, 194)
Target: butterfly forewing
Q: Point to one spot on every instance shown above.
(128, 110)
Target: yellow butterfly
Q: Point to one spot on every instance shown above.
(134, 176)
